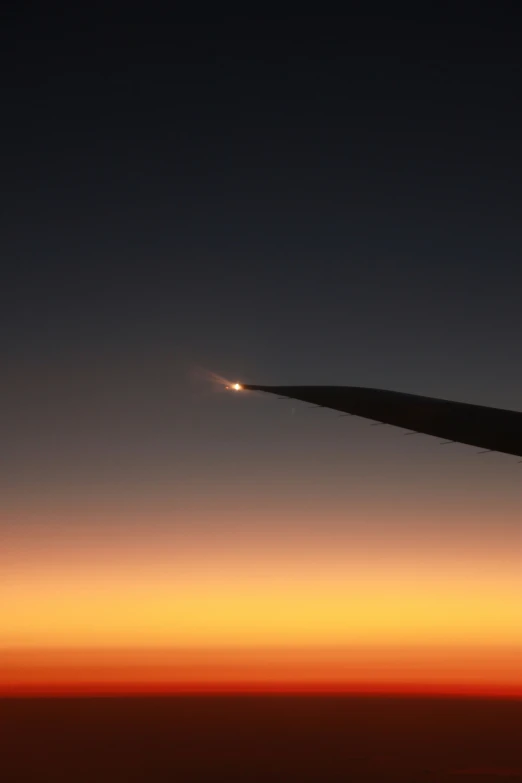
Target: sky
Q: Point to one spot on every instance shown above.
(265, 199)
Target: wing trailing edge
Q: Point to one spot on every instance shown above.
(489, 429)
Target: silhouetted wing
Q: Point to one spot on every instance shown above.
(490, 429)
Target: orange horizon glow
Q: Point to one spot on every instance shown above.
(90, 611)
(490, 672)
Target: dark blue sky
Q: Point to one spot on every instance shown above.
(278, 199)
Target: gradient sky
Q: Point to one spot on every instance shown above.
(272, 200)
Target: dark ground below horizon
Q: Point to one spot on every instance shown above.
(260, 738)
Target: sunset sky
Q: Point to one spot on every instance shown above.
(223, 200)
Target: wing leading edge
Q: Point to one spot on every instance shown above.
(490, 429)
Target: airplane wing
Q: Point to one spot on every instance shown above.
(490, 429)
